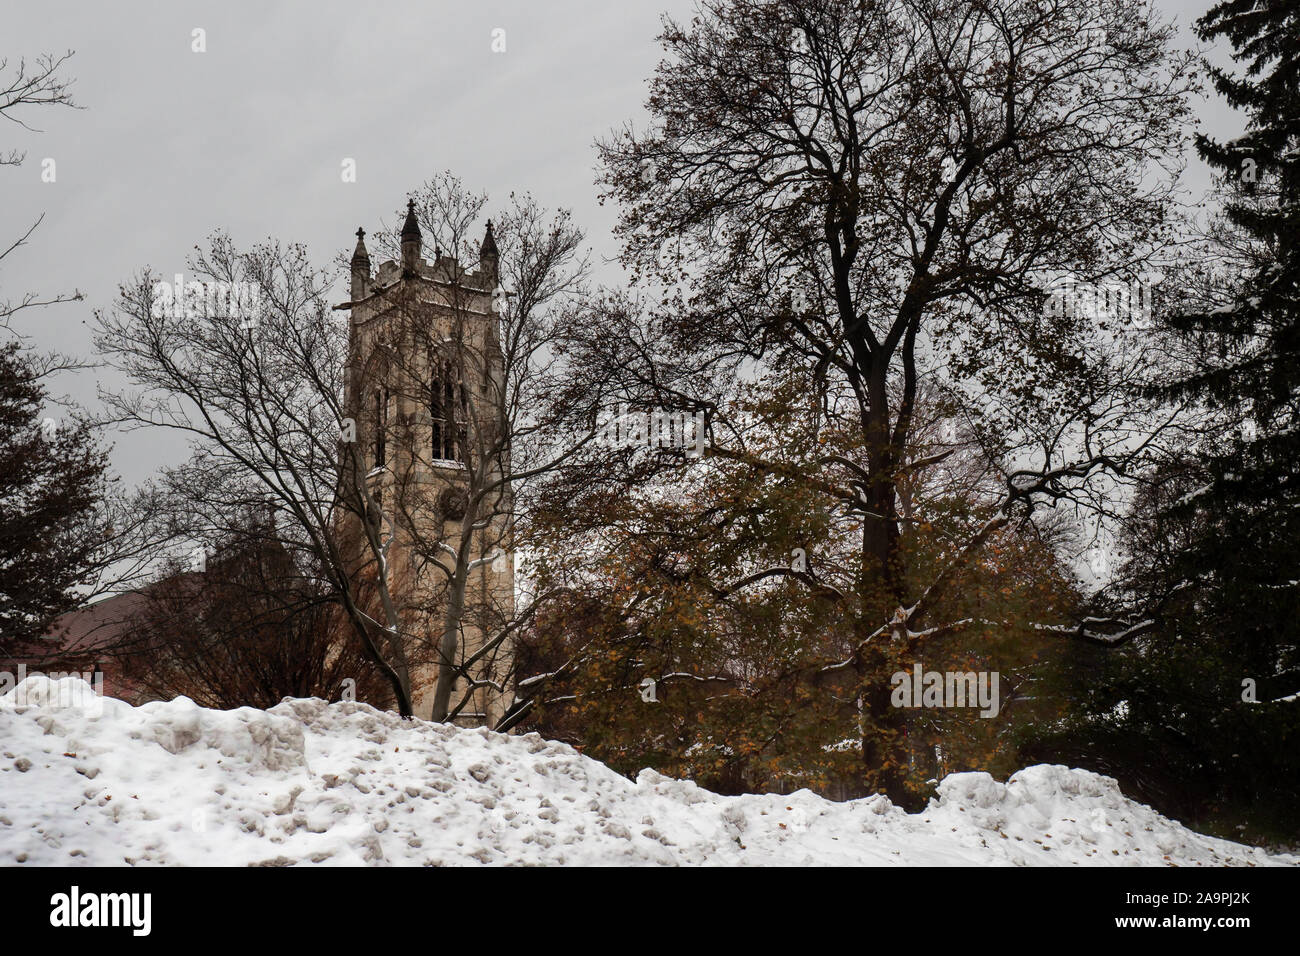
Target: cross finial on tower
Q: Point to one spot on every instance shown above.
(410, 239)
(359, 254)
(410, 228)
(489, 246)
(488, 257)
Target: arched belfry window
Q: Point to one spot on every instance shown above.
(449, 414)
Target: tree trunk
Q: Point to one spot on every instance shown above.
(447, 648)
(453, 616)
(882, 591)
(882, 726)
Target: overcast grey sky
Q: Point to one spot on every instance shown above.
(249, 136)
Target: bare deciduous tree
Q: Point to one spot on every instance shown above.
(258, 381)
(880, 192)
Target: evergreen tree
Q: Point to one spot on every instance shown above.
(1200, 718)
(1256, 370)
(1242, 517)
(52, 476)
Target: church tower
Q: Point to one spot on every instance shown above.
(432, 541)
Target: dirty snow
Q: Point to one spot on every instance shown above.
(94, 781)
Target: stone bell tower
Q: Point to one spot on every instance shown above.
(425, 389)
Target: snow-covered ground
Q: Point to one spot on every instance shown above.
(94, 781)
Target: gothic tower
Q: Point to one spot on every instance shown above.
(425, 390)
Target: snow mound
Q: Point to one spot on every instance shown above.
(94, 781)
